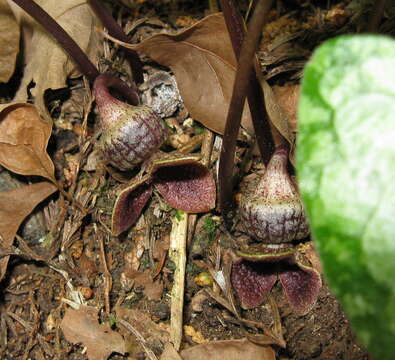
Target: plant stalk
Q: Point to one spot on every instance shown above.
(117, 32)
(243, 74)
(236, 29)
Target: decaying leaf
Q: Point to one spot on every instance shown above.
(24, 137)
(170, 353)
(229, 350)
(204, 64)
(15, 206)
(287, 96)
(82, 326)
(277, 115)
(9, 41)
(143, 323)
(48, 65)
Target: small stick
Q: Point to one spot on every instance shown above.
(106, 273)
(177, 254)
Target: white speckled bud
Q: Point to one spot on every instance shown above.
(131, 134)
(274, 213)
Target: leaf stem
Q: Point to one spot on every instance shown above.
(243, 73)
(116, 31)
(236, 29)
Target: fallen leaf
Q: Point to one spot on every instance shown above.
(15, 206)
(278, 116)
(143, 323)
(9, 41)
(169, 353)
(287, 97)
(48, 66)
(229, 350)
(24, 138)
(82, 326)
(153, 289)
(204, 65)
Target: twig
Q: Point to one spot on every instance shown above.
(139, 337)
(243, 74)
(177, 254)
(106, 273)
(116, 31)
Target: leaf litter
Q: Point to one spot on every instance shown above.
(77, 245)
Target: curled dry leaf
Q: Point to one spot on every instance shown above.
(48, 66)
(230, 350)
(24, 138)
(9, 41)
(15, 206)
(204, 64)
(82, 326)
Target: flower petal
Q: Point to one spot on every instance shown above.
(129, 205)
(252, 281)
(185, 184)
(301, 285)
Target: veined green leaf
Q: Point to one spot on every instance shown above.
(346, 171)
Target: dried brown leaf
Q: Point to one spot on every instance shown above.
(170, 353)
(24, 138)
(15, 206)
(143, 323)
(9, 41)
(229, 350)
(287, 96)
(278, 116)
(82, 326)
(48, 66)
(204, 64)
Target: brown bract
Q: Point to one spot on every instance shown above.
(15, 206)
(24, 138)
(82, 326)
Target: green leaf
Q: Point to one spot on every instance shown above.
(346, 171)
